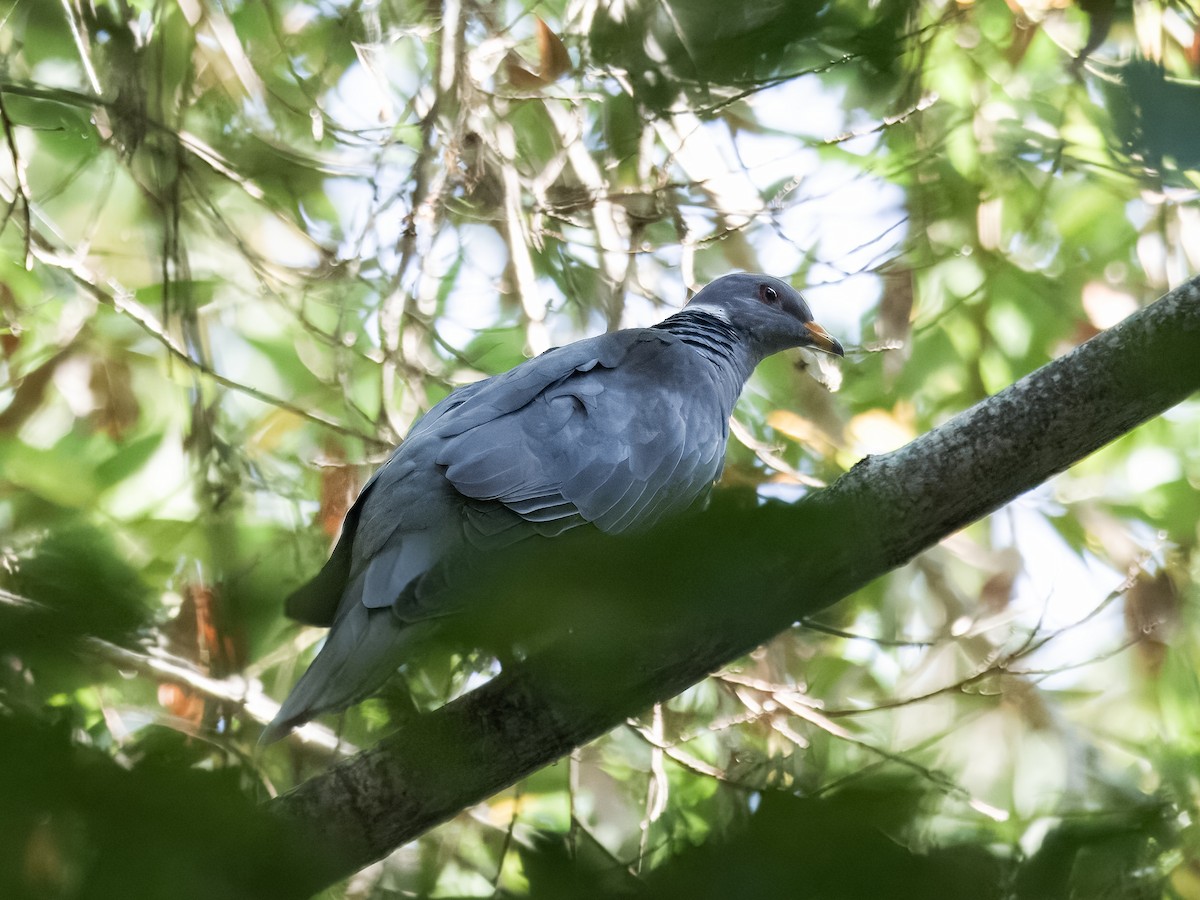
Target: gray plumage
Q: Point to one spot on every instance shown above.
(618, 431)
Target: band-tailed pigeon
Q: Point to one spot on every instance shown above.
(618, 431)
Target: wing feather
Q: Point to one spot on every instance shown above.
(616, 446)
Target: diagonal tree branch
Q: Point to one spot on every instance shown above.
(625, 623)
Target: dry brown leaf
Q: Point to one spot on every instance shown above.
(519, 76)
(30, 391)
(554, 61)
(116, 404)
(200, 633)
(10, 331)
(996, 592)
(1152, 609)
(894, 322)
(339, 487)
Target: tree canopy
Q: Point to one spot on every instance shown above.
(243, 245)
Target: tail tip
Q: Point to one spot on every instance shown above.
(274, 731)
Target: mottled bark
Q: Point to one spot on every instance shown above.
(637, 621)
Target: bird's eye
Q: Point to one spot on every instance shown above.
(767, 294)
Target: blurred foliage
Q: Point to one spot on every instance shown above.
(150, 823)
(244, 244)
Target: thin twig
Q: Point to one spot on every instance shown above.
(21, 190)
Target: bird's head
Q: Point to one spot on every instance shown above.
(770, 313)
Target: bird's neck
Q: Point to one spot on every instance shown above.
(716, 341)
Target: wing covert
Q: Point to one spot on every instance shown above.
(616, 445)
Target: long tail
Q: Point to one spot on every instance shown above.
(362, 650)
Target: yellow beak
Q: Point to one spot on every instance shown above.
(823, 340)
